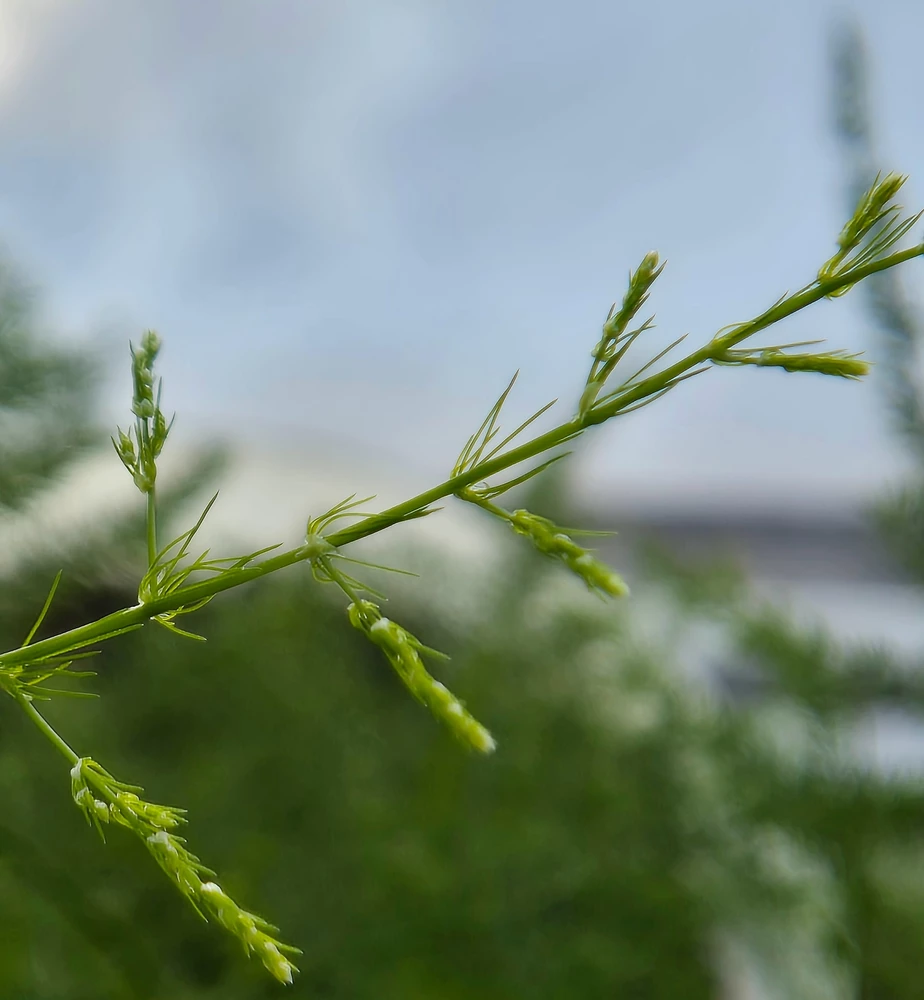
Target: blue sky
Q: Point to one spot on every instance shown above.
(352, 220)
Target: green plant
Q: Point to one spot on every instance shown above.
(176, 584)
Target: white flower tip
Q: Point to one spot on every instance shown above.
(162, 839)
(277, 963)
(380, 625)
(482, 740)
(479, 738)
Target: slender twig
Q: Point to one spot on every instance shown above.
(45, 727)
(151, 525)
(90, 633)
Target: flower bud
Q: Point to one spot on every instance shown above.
(143, 375)
(403, 651)
(637, 293)
(125, 449)
(250, 931)
(143, 407)
(548, 539)
(870, 210)
(159, 433)
(839, 364)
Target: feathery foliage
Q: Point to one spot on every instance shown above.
(176, 584)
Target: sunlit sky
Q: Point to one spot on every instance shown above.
(352, 220)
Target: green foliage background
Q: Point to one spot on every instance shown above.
(403, 866)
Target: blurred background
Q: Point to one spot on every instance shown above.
(351, 223)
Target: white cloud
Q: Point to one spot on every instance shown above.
(410, 198)
(22, 25)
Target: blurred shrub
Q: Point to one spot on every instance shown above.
(404, 867)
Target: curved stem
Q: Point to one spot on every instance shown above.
(25, 702)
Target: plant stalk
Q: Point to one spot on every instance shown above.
(26, 704)
(86, 635)
(151, 525)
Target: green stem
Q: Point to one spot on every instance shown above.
(86, 635)
(470, 496)
(151, 525)
(25, 702)
(337, 577)
(780, 311)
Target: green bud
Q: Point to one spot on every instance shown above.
(836, 363)
(403, 651)
(168, 851)
(125, 449)
(150, 346)
(251, 931)
(841, 366)
(551, 541)
(95, 812)
(598, 576)
(153, 824)
(615, 340)
(874, 221)
(143, 408)
(159, 433)
(637, 293)
(143, 375)
(871, 209)
(144, 476)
